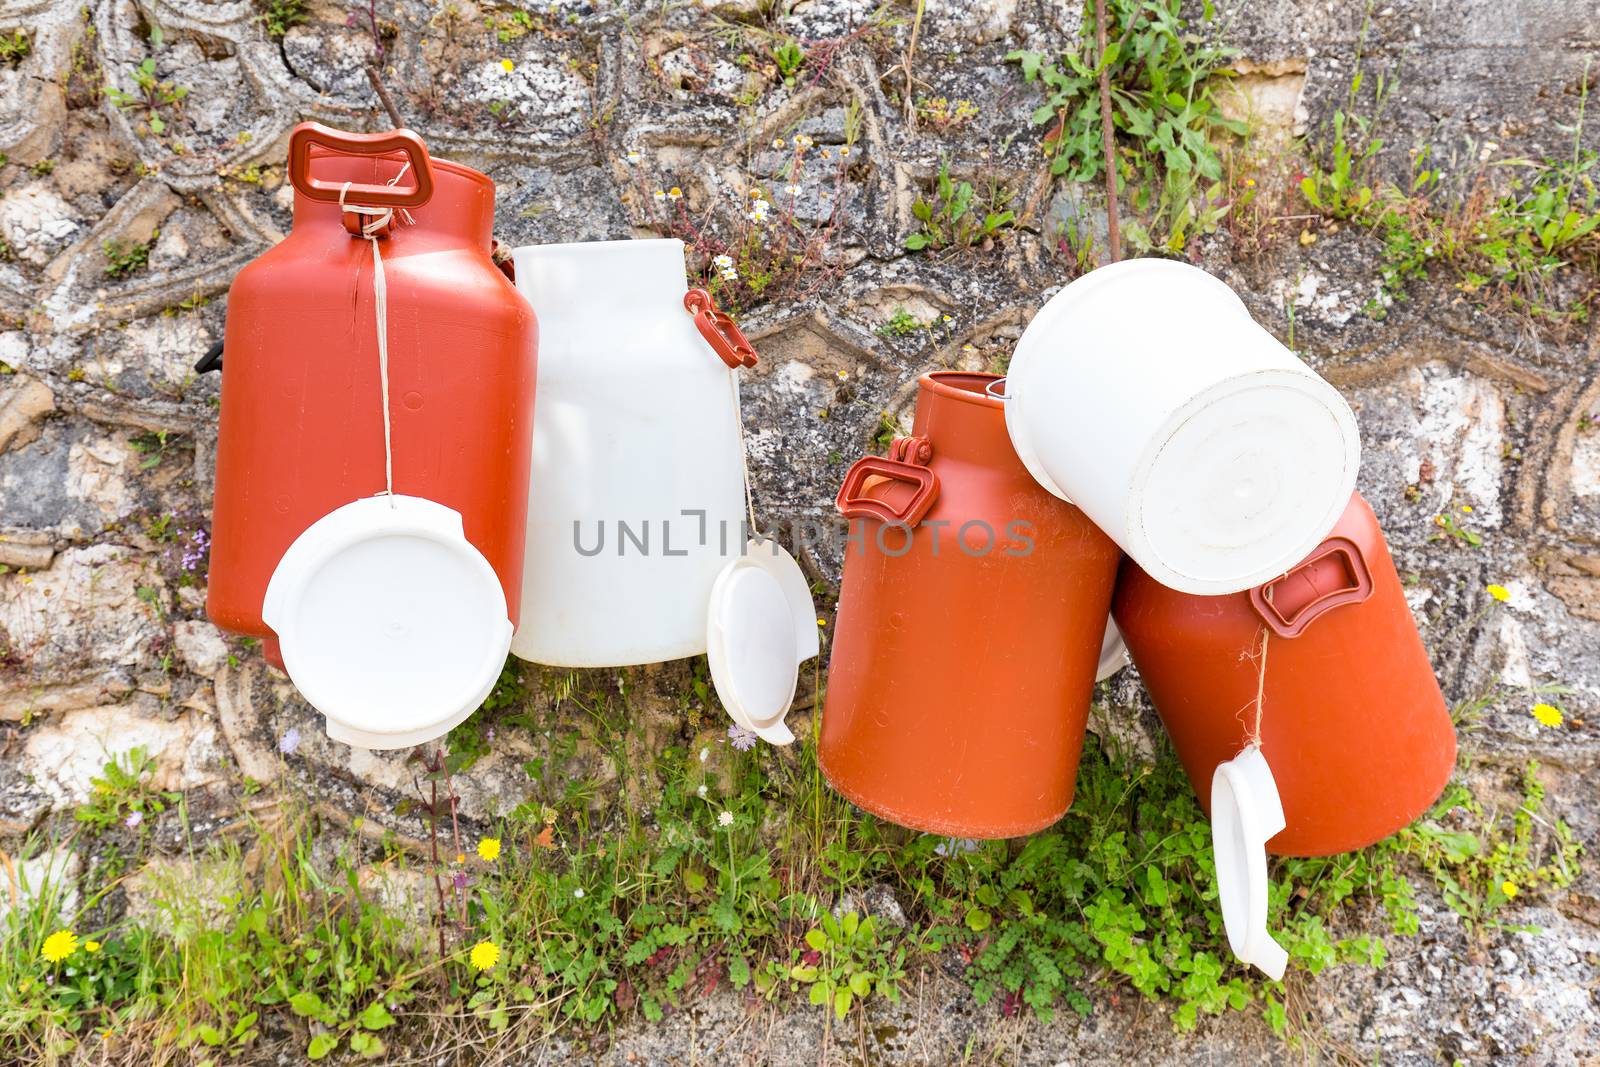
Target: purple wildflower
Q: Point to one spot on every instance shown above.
(195, 552)
(289, 743)
(133, 820)
(740, 738)
(461, 879)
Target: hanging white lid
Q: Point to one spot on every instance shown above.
(1113, 653)
(391, 623)
(760, 627)
(1245, 814)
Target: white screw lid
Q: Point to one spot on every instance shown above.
(1245, 813)
(760, 627)
(392, 624)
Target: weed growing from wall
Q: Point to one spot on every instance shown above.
(1163, 78)
(1518, 233)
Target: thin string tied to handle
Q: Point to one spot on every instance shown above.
(744, 454)
(378, 220)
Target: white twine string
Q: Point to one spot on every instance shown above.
(1253, 734)
(379, 219)
(744, 456)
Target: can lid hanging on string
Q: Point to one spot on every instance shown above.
(1246, 812)
(761, 626)
(391, 623)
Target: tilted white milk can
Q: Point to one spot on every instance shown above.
(637, 544)
(1145, 394)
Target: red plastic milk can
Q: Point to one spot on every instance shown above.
(1352, 722)
(302, 425)
(969, 628)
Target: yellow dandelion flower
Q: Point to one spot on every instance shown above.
(1249, 183)
(1499, 592)
(461, 857)
(507, 66)
(91, 946)
(489, 849)
(1547, 714)
(59, 945)
(1509, 889)
(484, 955)
(822, 622)
(1466, 509)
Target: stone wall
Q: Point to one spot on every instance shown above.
(581, 113)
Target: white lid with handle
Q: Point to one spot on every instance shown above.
(392, 624)
(761, 626)
(1245, 813)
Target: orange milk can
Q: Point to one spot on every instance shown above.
(305, 427)
(1352, 722)
(969, 627)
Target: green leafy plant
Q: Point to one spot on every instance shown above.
(278, 16)
(124, 257)
(888, 429)
(789, 57)
(153, 445)
(472, 739)
(15, 47)
(1479, 865)
(901, 324)
(122, 789)
(154, 95)
(1163, 79)
(1455, 528)
(956, 217)
(844, 962)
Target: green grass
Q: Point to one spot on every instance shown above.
(1506, 235)
(683, 874)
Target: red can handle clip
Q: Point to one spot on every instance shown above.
(309, 134)
(906, 463)
(1336, 573)
(719, 330)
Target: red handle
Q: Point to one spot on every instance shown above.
(309, 134)
(907, 463)
(719, 330)
(1336, 573)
